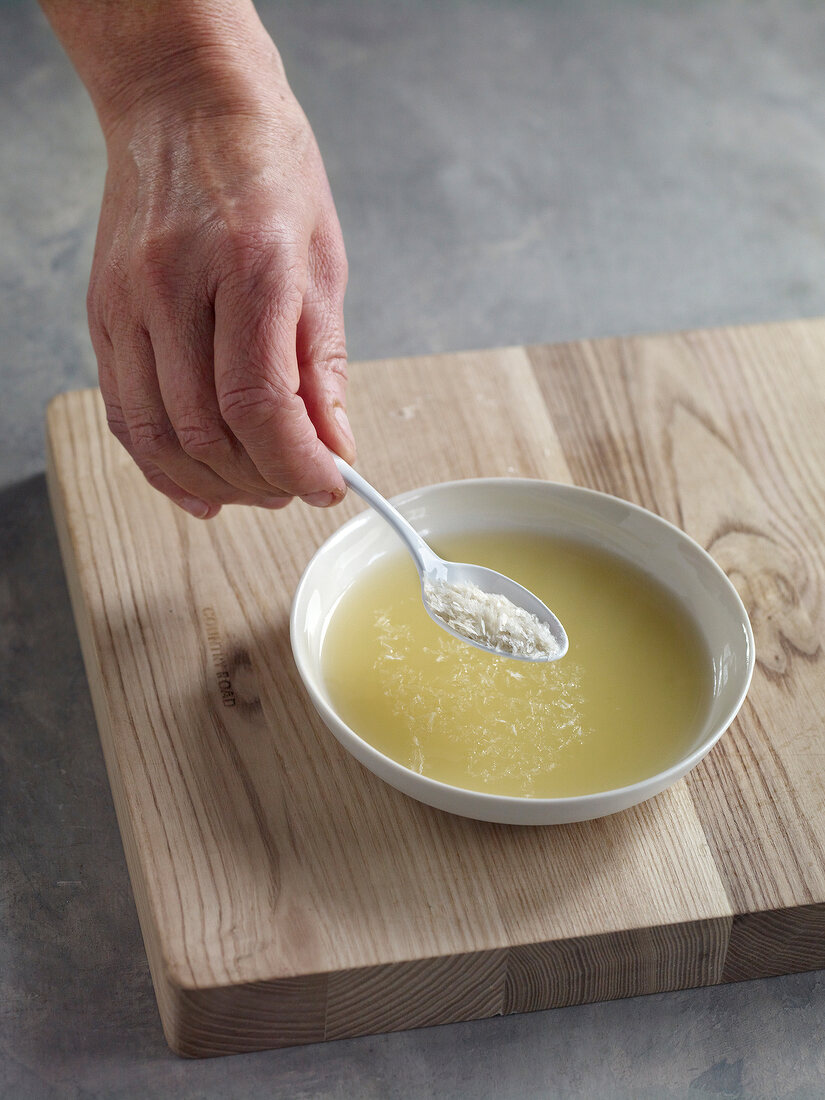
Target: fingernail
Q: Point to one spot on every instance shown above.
(343, 423)
(197, 508)
(319, 500)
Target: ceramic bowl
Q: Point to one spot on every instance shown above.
(494, 504)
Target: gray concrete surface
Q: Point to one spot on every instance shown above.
(505, 172)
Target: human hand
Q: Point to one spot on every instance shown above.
(216, 296)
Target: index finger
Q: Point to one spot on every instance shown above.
(257, 382)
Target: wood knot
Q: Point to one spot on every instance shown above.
(779, 592)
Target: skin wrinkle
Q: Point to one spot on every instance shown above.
(216, 296)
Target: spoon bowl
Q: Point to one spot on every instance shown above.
(472, 582)
(457, 574)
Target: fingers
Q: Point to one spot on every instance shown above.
(139, 419)
(182, 342)
(321, 346)
(257, 378)
(102, 344)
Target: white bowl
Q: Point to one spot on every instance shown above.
(493, 504)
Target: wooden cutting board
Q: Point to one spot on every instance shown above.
(287, 895)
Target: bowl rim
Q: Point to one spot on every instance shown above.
(659, 780)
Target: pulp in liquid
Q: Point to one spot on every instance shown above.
(627, 701)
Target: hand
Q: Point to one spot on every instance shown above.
(216, 296)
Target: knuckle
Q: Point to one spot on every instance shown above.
(334, 363)
(286, 297)
(201, 439)
(150, 439)
(263, 268)
(271, 302)
(331, 267)
(155, 265)
(259, 334)
(156, 276)
(248, 406)
(117, 423)
(245, 248)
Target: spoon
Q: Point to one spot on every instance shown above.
(435, 573)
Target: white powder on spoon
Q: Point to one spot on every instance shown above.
(490, 619)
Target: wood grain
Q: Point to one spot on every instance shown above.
(721, 432)
(286, 895)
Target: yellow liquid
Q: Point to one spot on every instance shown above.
(626, 702)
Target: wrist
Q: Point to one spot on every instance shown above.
(157, 59)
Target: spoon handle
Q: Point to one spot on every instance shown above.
(426, 559)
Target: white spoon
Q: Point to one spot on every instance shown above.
(435, 573)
